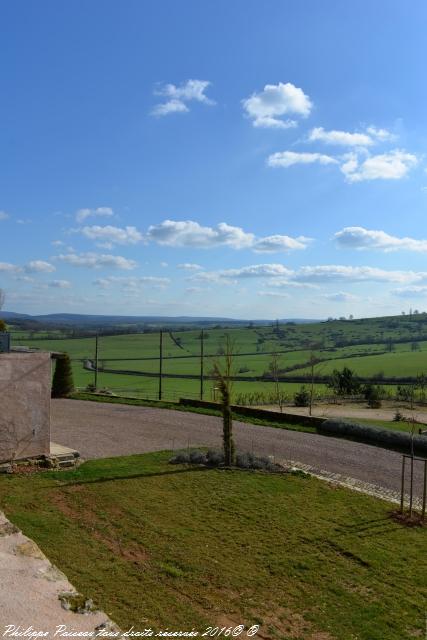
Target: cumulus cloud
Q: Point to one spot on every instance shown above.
(361, 238)
(187, 233)
(4, 215)
(96, 261)
(393, 165)
(59, 284)
(39, 266)
(381, 135)
(275, 243)
(288, 158)
(83, 214)
(108, 236)
(251, 271)
(179, 96)
(318, 134)
(267, 108)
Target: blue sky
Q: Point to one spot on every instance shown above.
(244, 159)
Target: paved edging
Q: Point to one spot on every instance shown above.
(34, 587)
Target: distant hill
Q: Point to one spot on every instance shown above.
(84, 320)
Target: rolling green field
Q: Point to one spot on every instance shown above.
(188, 547)
(376, 347)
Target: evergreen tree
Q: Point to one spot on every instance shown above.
(62, 384)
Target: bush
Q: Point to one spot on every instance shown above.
(62, 383)
(398, 417)
(302, 398)
(180, 458)
(214, 458)
(372, 396)
(3, 326)
(197, 457)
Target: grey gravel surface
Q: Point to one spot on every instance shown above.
(99, 430)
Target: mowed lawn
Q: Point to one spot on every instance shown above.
(165, 546)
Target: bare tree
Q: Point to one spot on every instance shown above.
(313, 362)
(275, 374)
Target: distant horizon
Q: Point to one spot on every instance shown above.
(264, 158)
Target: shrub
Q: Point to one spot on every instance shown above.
(197, 457)
(398, 417)
(373, 396)
(2, 326)
(62, 383)
(302, 398)
(180, 458)
(214, 458)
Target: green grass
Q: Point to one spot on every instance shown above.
(177, 547)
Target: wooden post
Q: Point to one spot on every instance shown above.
(423, 512)
(160, 364)
(201, 363)
(412, 487)
(402, 490)
(96, 362)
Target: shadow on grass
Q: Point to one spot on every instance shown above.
(116, 478)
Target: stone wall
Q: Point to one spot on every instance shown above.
(25, 384)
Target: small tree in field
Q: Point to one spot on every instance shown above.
(275, 371)
(62, 384)
(223, 374)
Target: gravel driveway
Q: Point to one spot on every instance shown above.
(99, 430)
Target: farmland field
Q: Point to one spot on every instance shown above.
(390, 349)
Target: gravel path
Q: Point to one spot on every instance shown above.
(99, 430)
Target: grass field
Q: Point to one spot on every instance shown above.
(186, 548)
(362, 345)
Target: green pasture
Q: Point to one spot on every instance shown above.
(161, 546)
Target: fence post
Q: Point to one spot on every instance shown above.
(96, 362)
(160, 364)
(423, 513)
(202, 336)
(402, 490)
(412, 487)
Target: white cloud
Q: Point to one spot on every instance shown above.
(188, 233)
(327, 273)
(340, 137)
(4, 215)
(393, 165)
(381, 135)
(251, 271)
(7, 267)
(82, 214)
(275, 243)
(60, 284)
(133, 282)
(110, 235)
(267, 107)
(341, 296)
(410, 292)
(39, 266)
(57, 243)
(178, 96)
(273, 294)
(189, 266)
(96, 261)
(288, 158)
(361, 238)
(278, 275)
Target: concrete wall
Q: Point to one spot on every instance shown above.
(25, 383)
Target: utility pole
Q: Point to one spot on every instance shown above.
(160, 364)
(202, 336)
(96, 362)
